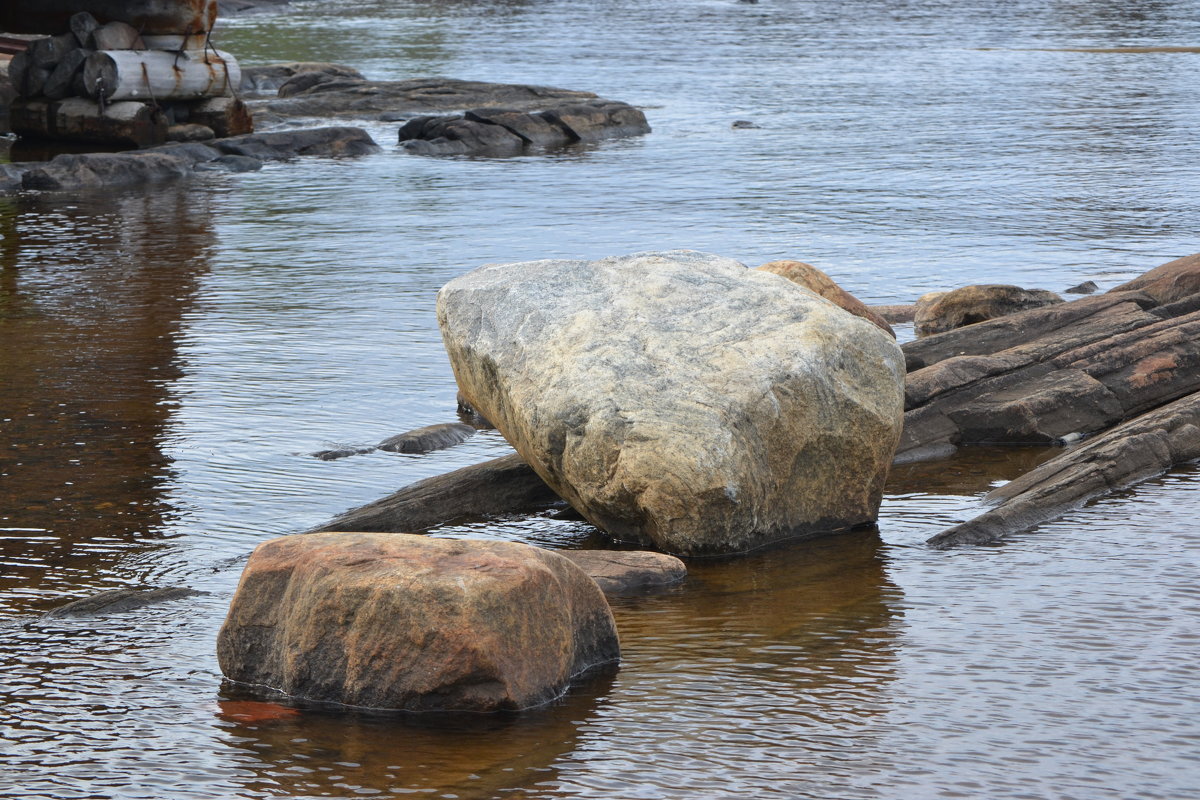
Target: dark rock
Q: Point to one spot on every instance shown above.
(1173, 281)
(744, 124)
(189, 132)
(226, 116)
(280, 145)
(118, 600)
(234, 8)
(974, 304)
(597, 120)
(392, 621)
(532, 129)
(343, 452)
(193, 152)
(271, 77)
(232, 163)
(445, 136)
(1087, 287)
(501, 486)
(428, 439)
(471, 416)
(369, 99)
(626, 571)
(306, 80)
(1134, 451)
(104, 170)
(10, 178)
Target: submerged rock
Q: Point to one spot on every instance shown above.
(428, 439)
(973, 304)
(394, 621)
(681, 399)
(625, 571)
(1087, 287)
(270, 77)
(821, 284)
(119, 600)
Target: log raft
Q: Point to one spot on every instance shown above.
(157, 75)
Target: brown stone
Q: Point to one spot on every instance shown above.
(1131, 452)
(1168, 283)
(821, 284)
(896, 313)
(394, 621)
(227, 116)
(972, 304)
(623, 571)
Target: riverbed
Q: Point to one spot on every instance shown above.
(170, 357)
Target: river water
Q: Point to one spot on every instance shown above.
(169, 357)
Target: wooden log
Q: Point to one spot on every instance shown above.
(82, 25)
(116, 36)
(227, 116)
(148, 16)
(500, 486)
(61, 82)
(47, 52)
(18, 72)
(77, 119)
(158, 75)
(176, 42)
(1142, 448)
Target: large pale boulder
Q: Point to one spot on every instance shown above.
(680, 399)
(396, 621)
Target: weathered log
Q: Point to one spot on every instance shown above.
(500, 486)
(148, 16)
(18, 72)
(78, 119)
(227, 116)
(116, 36)
(47, 52)
(176, 42)
(82, 25)
(61, 82)
(1107, 367)
(1139, 449)
(158, 75)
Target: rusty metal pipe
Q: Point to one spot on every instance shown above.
(148, 16)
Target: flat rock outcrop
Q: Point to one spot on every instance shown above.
(393, 621)
(1141, 448)
(69, 172)
(395, 100)
(815, 280)
(506, 132)
(680, 399)
(1169, 283)
(973, 304)
(268, 78)
(627, 571)
(504, 485)
(1049, 374)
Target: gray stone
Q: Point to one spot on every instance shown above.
(680, 399)
(1087, 287)
(120, 600)
(270, 77)
(428, 439)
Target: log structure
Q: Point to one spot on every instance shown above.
(77, 84)
(147, 16)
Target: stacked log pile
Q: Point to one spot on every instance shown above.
(114, 84)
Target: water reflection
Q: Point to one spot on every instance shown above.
(92, 291)
(338, 754)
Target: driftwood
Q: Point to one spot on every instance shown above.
(1049, 374)
(501, 486)
(1134, 451)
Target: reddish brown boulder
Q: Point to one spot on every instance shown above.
(397, 621)
(621, 571)
(972, 304)
(1168, 283)
(821, 284)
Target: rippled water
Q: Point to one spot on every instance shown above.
(169, 357)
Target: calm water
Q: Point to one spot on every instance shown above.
(169, 357)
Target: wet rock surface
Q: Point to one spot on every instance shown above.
(70, 172)
(392, 621)
(627, 571)
(672, 398)
(1174, 281)
(120, 600)
(500, 486)
(504, 132)
(1141, 448)
(270, 77)
(974, 304)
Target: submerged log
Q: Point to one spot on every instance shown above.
(501, 486)
(78, 119)
(148, 16)
(1142, 448)
(158, 75)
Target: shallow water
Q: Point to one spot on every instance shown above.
(169, 357)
